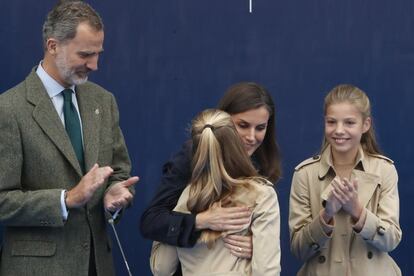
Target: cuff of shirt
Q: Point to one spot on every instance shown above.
(115, 215)
(65, 211)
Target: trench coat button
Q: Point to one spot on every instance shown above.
(314, 246)
(381, 230)
(321, 259)
(85, 245)
(370, 254)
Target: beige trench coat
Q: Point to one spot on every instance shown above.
(345, 252)
(201, 261)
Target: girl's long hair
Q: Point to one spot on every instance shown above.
(220, 165)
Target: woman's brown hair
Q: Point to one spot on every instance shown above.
(246, 96)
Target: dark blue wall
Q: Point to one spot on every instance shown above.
(167, 60)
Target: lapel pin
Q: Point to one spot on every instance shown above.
(97, 111)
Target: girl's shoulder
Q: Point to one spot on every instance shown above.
(262, 188)
(260, 181)
(253, 189)
(381, 157)
(312, 160)
(378, 164)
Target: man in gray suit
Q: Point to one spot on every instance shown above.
(64, 160)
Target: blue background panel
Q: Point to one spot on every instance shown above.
(167, 60)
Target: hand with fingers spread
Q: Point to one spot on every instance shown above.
(79, 195)
(219, 218)
(346, 192)
(118, 195)
(240, 246)
(332, 204)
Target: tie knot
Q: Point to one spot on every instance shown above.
(67, 95)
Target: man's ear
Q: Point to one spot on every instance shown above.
(51, 46)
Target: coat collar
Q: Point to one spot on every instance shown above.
(47, 118)
(326, 163)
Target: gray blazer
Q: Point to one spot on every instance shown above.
(37, 162)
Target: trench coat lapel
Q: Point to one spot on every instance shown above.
(367, 184)
(90, 113)
(44, 113)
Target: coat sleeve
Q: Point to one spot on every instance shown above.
(19, 206)
(159, 222)
(381, 228)
(266, 234)
(306, 232)
(121, 163)
(164, 259)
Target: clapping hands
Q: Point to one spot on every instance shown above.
(344, 194)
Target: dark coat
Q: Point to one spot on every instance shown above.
(159, 222)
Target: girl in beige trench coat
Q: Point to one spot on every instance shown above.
(223, 175)
(344, 204)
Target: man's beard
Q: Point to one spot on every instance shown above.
(68, 74)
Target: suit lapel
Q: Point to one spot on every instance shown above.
(45, 115)
(90, 113)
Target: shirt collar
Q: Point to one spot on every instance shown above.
(53, 88)
(326, 161)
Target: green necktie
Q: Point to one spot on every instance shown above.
(72, 125)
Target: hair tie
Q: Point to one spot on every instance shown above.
(208, 126)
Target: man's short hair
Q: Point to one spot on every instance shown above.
(62, 21)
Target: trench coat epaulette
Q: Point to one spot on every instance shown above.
(308, 161)
(383, 157)
(263, 181)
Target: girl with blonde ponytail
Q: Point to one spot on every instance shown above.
(222, 174)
